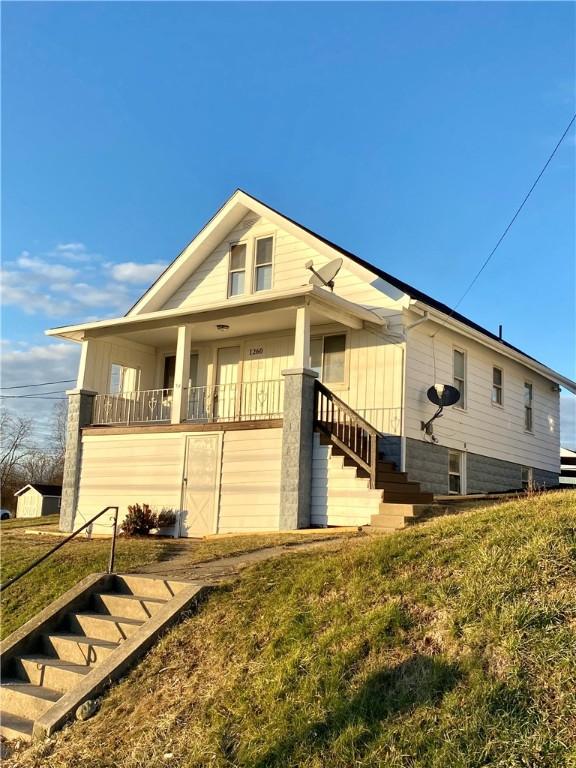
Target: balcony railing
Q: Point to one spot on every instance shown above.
(249, 401)
(142, 407)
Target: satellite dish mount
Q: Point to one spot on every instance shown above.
(324, 277)
(441, 395)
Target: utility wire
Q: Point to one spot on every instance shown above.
(30, 397)
(513, 219)
(42, 384)
(36, 394)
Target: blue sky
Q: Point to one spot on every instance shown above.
(405, 132)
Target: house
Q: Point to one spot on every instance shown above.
(244, 392)
(37, 499)
(567, 468)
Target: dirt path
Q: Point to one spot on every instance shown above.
(227, 568)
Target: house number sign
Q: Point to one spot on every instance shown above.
(256, 351)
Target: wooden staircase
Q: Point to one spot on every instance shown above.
(70, 652)
(401, 502)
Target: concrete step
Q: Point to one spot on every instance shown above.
(78, 649)
(13, 727)
(26, 699)
(391, 522)
(148, 586)
(407, 510)
(114, 629)
(54, 673)
(130, 606)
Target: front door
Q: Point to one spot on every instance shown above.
(226, 395)
(201, 485)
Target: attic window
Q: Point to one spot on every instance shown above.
(263, 274)
(237, 272)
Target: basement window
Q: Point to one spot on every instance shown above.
(237, 271)
(528, 416)
(459, 365)
(455, 484)
(527, 478)
(328, 358)
(497, 386)
(263, 264)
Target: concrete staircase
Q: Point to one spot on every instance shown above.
(341, 494)
(74, 648)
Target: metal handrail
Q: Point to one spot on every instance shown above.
(65, 541)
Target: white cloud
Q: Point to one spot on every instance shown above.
(138, 274)
(71, 247)
(75, 252)
(38, 268)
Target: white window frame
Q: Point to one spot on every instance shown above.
(461, 474)
(527, 484)
(526, 408)
(463, 402)
(496, 387)
(256, 266)
(123, 367)
(236, 271)
(322, 336)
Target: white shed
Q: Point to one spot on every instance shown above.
(37, 499)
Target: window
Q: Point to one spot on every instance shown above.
(328, 358)
(527, 481)
(455, 472)
(528, 420)
(123, 379)
(263, 276)
(460, 377)
(497, 386)
(237, 276)
(170, 371)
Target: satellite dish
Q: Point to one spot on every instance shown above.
(443, 395)
(324, 277)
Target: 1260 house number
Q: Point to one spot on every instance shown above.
(256, 351)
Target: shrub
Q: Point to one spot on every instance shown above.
(139, 521)
(166, 518)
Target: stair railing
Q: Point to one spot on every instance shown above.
(58, 546)
(346, 429)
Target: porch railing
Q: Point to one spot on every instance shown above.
(248, 401)
(388, 421)
(142, 407)
(346, 429)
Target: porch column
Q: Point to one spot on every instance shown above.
(298, 429)
(181, 375)
(79, 415)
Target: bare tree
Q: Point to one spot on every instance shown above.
(16, 446)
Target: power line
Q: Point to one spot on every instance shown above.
(30, 397)
(42, 384)
(513, 219)
(37, 394)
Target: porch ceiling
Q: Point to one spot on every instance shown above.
(253, 314)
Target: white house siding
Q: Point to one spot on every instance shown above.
(209, 282)
(148, 468)
(482, 428)
(95, 374)
(29, 504)
(250, 490)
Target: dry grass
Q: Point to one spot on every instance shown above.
(452, 645)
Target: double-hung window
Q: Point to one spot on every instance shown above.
(123, 379)
(263, 264)
(328, 358)
(497, 386)
(237, 270)
(459, 364)
(528, 416)
(455, 483)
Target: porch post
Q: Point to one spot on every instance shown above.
(297, 432)
(79, 415)
(181, 375)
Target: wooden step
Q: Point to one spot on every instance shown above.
(391, 477)
(13, 727)
(26, 699)
(404, 497)
(78, 649)
(408, 488)
(54, 673)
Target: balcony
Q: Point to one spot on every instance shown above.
(248, 401)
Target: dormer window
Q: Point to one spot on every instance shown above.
(237, 270)
(263, 264)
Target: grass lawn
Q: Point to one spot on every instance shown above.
(450, 645)
(81, 556)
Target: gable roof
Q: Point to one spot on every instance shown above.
(44, 489)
